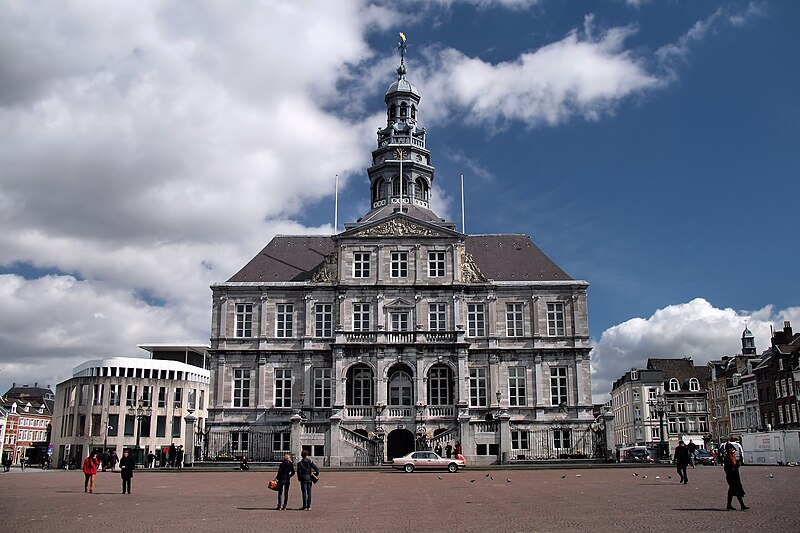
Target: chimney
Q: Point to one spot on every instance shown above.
(787, 331)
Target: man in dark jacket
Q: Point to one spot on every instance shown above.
(305, 470)
(285, 473)
(126, 466)
(682, 460)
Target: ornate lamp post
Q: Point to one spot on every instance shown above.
(140, 411)
(660, 406)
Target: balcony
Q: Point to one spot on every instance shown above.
(399, 337)
(359, 411)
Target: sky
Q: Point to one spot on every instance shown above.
(151, 148)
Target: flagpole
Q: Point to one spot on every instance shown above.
(463, 229)
(336, 207)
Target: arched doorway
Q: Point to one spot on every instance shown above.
(398, 443)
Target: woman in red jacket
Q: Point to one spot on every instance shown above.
(90, 465)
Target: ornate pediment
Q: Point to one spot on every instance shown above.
(398, 228)
(399, 302)
(328, 272)
(470, 273)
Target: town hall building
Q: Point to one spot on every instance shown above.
(400, 333)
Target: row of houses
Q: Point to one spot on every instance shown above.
(674, 399)
(25, 423)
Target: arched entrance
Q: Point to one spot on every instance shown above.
(398, 443)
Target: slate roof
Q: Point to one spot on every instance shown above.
(34, 394)
(501, 257)
(681, 369)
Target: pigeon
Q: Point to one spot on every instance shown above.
(634, 474)
(771, 476)
(472, 481)
(669, 477)
(657, 477)
(644, 477)
(491, 477)
(487, 475)
(564, 476)
(577, 475)
(440, 477)
(508, 481)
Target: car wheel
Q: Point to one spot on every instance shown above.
(452, 468)
(409, 468)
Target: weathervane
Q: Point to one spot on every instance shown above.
(402, 47)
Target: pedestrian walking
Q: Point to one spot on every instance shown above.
(285, 473)
(731, 463)
(90, 465)
(448, 450)
(105, 460)
(438, 449)
(114, 459)
(179, 457)
(692, 452)
(457, 448)
(173, 452)
(307, 475)
(682, 461)
(126, 467)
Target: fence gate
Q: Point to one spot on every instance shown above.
(230, 444)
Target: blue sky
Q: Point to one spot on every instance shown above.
(647, 147)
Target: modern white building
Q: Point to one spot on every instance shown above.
(134, 403)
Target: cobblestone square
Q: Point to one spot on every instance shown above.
(590, 499)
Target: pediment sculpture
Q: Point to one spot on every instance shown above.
(328, 272)
(397, 228)
(470, 273)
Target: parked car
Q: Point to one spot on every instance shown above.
(426, 461)
(637, 455)
(704, 457)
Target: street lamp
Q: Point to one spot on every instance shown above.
(302, 404)
(659, 405)
(105, 440)
(140, 411)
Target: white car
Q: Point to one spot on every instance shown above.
(426, 461)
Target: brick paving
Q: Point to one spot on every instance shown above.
(588, 499)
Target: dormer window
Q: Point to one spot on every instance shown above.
(694, 385)
(634, 374)
(674, 386)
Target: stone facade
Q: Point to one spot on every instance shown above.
(400, 333)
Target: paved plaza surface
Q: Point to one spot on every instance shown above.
(589, 499)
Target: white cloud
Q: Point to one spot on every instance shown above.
(581, 75)
(695, 329)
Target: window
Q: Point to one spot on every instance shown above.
(241, 387)
(439, 386)
(655, 433)
(634, 374)
(161, 426)
(244, 320)
(562, 438)
(113, 425)
(680, 407)
(360, 317)
(83, 398)
(113, 394)
(177, 398)
(399, 264)
(162, 396)
(144, 426)
(519, 440)
(436, 267)
(400, 389)
(516, 386)
(477, 387)
(361, 264)
(558, 386)
(703, 424)
(682, 426)
(147, 395)
(176, 426)
(322, 387)
(476, 320)
(514, 320)
(130, 399)
(130, 423)
(674, 386)
(636, 394)
(436, 317)
(694, 385)
(399, 321)
(81, 430)
(323, 314)
(651, 394)
(281, 443)
(283, 387)
(359, 386)
(283, 318)
(555, 319)
(97, 396)
(191, 398)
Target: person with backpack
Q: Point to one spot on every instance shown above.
(731, 463)
(307, 475)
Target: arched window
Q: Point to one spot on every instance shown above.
(674, 386)
(634, 374)
(359, 385)
(440, 385)
(379, 191)
(403, 110)
(420, 192)
(396, 187)
(400, 388)
(392, 111)
(694, 384)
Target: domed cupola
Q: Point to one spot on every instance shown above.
(748, 342)
(401, 175)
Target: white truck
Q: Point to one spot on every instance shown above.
(771, 447)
